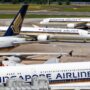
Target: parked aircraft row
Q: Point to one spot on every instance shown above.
(45, 34)
(9, 39)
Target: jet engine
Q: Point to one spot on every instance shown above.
(13, 58)
(82, 25)
(71, 25)
(42, 37)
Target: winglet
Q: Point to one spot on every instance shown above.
(71, 53)
(59, 56)
(15, 26)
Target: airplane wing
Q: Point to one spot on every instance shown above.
(81, 25)
(56, 59)
(30, 53)
(35, 53)
(13, 59)
(25, 42)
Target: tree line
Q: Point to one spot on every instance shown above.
(42, 1)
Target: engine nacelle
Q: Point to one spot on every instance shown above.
(82, 25)
(71, 25)
(88, 25)
(83, 32)
(45, 21)
(43, 37)
(12, 58)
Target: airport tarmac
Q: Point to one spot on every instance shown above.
(81, 50)
(33, 21)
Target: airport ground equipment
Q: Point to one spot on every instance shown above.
(38, 83)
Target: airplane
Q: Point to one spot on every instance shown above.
(82, 23)
(45, 34)
(60, 75)
(47, 20)
(38, 29)
(14, 59)
(10, 37)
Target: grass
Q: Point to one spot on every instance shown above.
(9, 6)
(52, 7)
(2, 16)
(47, 16)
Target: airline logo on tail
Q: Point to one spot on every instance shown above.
(15, 27)
(17, 24)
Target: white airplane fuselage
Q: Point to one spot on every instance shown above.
(9, 41)
(55, 20)
(59, 75)
(47, 30)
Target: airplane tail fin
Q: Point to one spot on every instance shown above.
(15, 26)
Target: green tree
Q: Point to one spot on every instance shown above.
(26, 1)
(59, 2)
(2, 1)
(15, 1)
(67, 2)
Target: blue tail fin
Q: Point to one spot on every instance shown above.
(15, 26)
